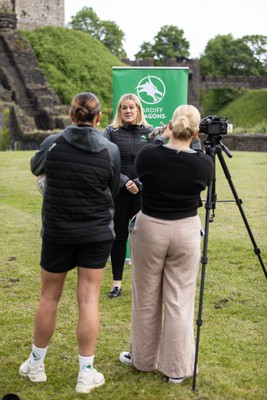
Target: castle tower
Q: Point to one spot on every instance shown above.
(34, 13)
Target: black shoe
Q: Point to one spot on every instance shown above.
(115, 291)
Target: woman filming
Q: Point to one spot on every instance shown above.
(165, 250)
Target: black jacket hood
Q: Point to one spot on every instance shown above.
(85, 138)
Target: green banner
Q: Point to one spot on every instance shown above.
(160, 89)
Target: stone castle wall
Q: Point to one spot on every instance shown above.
(34, 13)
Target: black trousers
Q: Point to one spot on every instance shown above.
(126, 206)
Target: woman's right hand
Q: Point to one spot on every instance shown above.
(132, 187)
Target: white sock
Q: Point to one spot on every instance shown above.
(37, 355)
(86, 364)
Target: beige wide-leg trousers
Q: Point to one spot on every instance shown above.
(165, 257)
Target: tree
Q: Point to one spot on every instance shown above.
(86, 20)
(258, 45)
(226, 56)
(146, 51)
(169, 42)
(107, 32)
(112, 38)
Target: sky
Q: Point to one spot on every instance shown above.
(201, 20)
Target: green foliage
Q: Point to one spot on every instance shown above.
(232, 356)
(226, 56)
(215, 99)
(248, 112)
(146, 51)
(112, 37)
(245, 109)
(5, 138)
(73, 62)
(86, 20)
(258, 45)
(169, 42)
(258, 128)
(107, 32)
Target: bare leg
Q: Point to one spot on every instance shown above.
(89, 283)
(45, 317)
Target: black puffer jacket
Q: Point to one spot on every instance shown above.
(82, 171)
(129, 139)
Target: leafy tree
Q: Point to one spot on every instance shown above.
(226, 56)
(86, 20)
(112, 38)
(169, 42)
(146, 51)
(107, 32)
(258, 45)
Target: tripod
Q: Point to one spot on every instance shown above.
(214, 146)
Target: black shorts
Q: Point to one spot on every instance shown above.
(62, 258)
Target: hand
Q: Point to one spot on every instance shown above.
(159, 130)
(132, 187)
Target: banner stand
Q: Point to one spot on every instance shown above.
(160, 89)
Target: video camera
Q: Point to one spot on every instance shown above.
(213, 125)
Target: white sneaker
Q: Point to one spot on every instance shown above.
(88, 381)
(126, 358)
(36, 373)
(176, 381)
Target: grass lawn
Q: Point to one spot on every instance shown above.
(232, 355)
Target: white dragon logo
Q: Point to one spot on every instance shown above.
(151, 89)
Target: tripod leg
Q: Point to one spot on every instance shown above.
(239, 204)
(210, 204)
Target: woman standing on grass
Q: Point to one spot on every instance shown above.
(165, 250)
(130, 132)
(82, 176)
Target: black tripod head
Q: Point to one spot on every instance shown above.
(213, 144)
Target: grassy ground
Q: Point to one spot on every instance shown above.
(232, 354)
